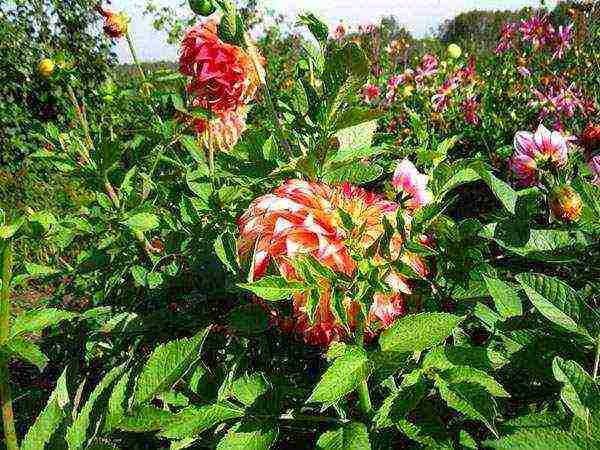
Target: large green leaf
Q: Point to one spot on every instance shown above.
(143, 222)
(350, 436)
(118, 403)
(342, 377)
(538, 439)
(144, 419)
(470, 399)
(27, 351)
(248, 388)
(418, 332)
(89, 419)
(505, 297)
(251, 435)
(398, 404)
(555, 300)
(465, 374)
(36, 320)
(50, 419)
(355, 172)
(579, 391)
(225, 248)
(167, 364)
(193, 420)
(274, 288)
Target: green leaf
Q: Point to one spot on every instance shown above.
(342, 377)
(418, 332)
(579, 391)
(273, 288)
(27, 351)
(50, 419)
(36, 320)
(38, 270)
(465, 374)
(140, 275)
(249, 319)
(144, 419)
(167, 364)
(225, 248)
(251, 435)
(502, 190)
(317, 27)
(538, 439)
(355, 172)
(506, 299)
(470, 399)
(396, 407)
(248, 388)
(8, 231)
(350, 436)
(193, 420)
(89, 419)
(555, 300)
(356, 115)
(118, 403)
(143, 222)
(467, 441)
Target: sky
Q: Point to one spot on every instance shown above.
(418, 16)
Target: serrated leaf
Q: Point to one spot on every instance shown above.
(193, 420)
(89, 419)
(251, 435)
(273, 288)
(470, 399)
(144, 419)
(350, 436)
(248, 388)
(143, 222)
(505, 297)
(555, 300)
(27, 351)
(538, 439)
(167, 364)
(36, 320)
(50, 419)
(397, 405)
(418, 332)
(356, 115)
(118, 403)
(355, 172)
(465, 374)
(342, 377)
(579, 391)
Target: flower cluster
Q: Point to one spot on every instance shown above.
(302, 219)
(559, 100)
(224, 80)
(539, 32)
(590, 140)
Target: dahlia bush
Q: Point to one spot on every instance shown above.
(358, 241)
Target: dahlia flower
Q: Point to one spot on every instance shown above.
(46, 67)
(115, 24)
(534, 150)
(562, 40)
(470, 106)
(538, 30)
(565, 204)
(370, 93)
(408, 180)
(590, 138)
(427, 68)
(223, 75)
(339, 32)
(301, 219)
(222, 132)
(506, 36)
(594, 164)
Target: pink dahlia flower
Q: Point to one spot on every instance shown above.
(222, 132)
(370, 93)
(223, 75)
(594, 164)
(300, 219)
(408, 180)
(534, 150)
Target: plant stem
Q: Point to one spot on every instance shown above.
(10, 435)
(364, 397)
(597, 360)
(134, 56)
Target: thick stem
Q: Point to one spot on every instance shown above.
(364, 398)
(597, 359)
(134, 56)
(10, 435)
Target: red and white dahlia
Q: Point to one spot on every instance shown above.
(301, 219)
(413, 183)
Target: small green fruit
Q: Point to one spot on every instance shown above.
(203, 7)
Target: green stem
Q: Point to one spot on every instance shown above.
(364, 397)
(134, 56)
(597, 359)
(10, 435)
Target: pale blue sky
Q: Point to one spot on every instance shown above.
(418, 16)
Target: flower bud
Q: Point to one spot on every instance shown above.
(46, 67)
(454, 51)
(590, 138)
(202, 7)
(565, 204)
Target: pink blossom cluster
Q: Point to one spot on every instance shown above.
(539, 32)
(561, 99)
